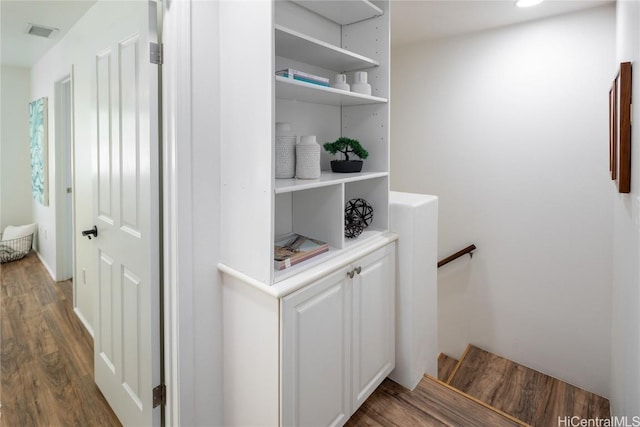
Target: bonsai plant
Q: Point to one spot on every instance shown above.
(346, 146)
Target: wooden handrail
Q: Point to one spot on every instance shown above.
(468, 250)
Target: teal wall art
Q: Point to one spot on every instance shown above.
(38, 139)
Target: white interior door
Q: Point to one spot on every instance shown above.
(64, 178)
(126, 212)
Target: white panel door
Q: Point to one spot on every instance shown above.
(373, 322)
(315, 354)
(126, 206)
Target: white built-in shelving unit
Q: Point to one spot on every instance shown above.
(335, 310)
(359, 42)
(322, 38)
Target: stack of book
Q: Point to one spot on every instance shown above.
(294, 248)
(303, 77)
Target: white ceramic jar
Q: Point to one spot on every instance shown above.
(360, 84)
(340, 82)
(308, 158)
(285, 151)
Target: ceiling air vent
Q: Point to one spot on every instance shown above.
(41, 31)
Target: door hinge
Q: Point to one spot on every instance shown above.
(160, 395)
(155, 51)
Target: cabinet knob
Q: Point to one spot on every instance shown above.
(358, 270)
(350, 274)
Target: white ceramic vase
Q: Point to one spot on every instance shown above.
(340, 82)
(360, 84)
(285, 151)
(308, 158)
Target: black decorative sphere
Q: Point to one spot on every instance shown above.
(353, 229)
(358, 215)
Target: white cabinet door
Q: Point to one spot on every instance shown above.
(373, 326)
(315, 353)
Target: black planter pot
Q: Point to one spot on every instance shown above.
(346, 166)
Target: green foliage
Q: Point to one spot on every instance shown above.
(346, 146)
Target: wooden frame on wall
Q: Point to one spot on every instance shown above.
(613, 129)
(620, 128)
(624, 148)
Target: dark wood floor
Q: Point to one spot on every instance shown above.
(528, 395)
(46, 354)
(432, 403)
(446, 365)
(46, 370)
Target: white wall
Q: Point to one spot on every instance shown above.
(15, 163)
(625, 327)
(205, 181)
(43, 75)
(509, 129)
(192, 193)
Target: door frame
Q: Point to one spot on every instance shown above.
(64, 105)
(192, 286)
(176, 102)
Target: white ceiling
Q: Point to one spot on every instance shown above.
(419, 20)
(19, 49)
(411, 20)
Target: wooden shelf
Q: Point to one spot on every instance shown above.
(301, 47)
(326, 178)
(343, 13)
(296, 90)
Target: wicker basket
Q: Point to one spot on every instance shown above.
(15, 249)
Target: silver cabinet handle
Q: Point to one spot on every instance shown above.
(358, 270)
(350, 274)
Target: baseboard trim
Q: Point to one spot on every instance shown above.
(83, 320)
(46, 266)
